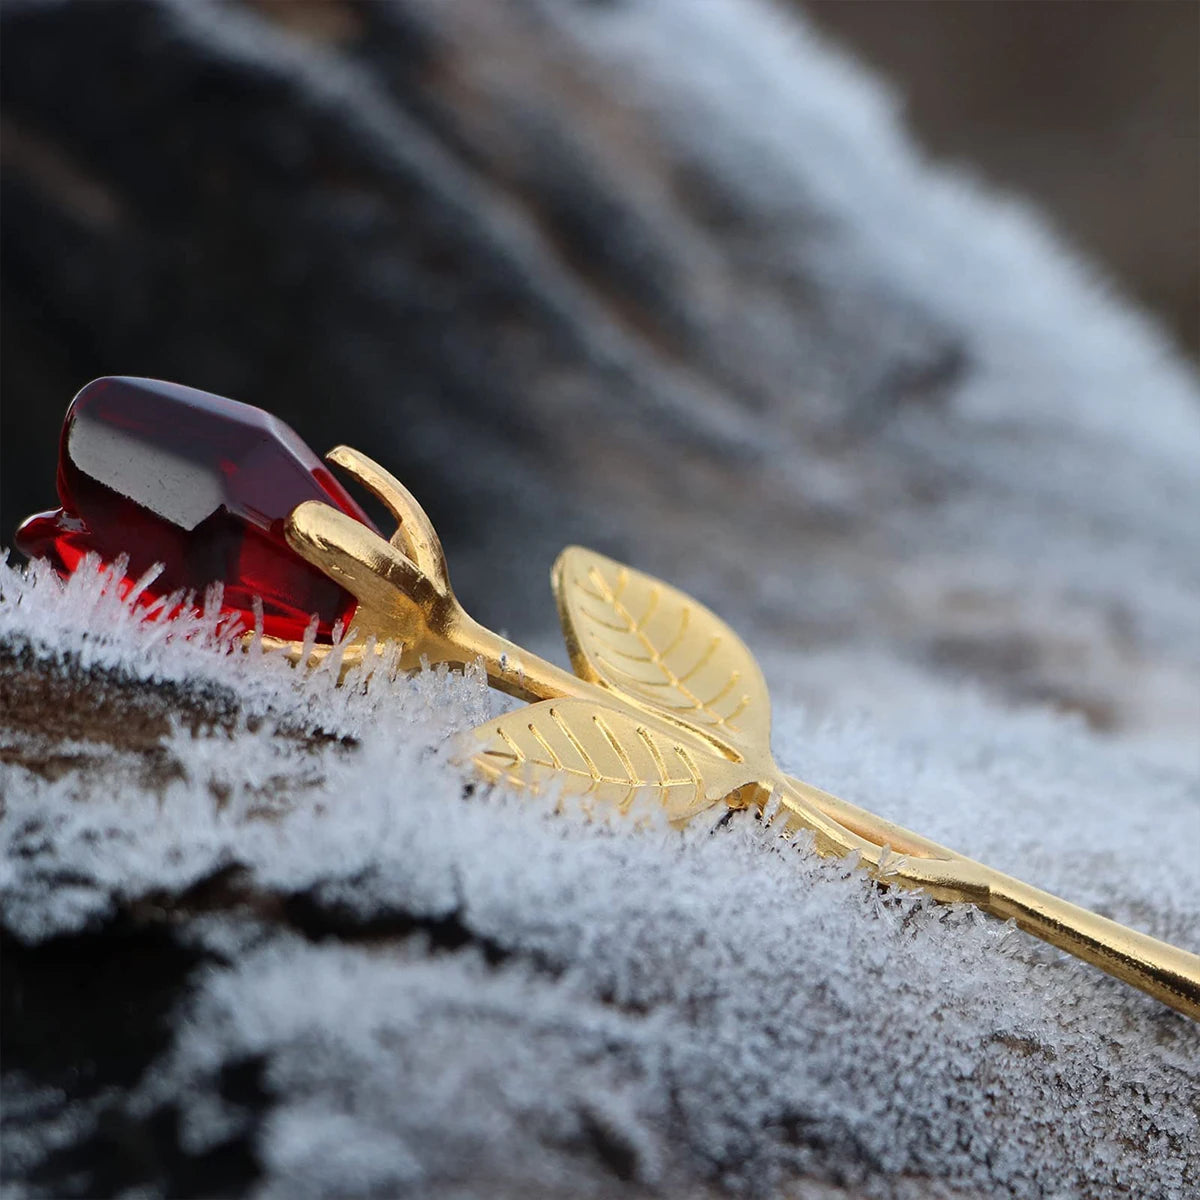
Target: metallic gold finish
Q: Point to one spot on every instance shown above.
(668, 704)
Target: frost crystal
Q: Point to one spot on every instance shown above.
(384, 980)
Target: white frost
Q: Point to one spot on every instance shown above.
(703, 1005)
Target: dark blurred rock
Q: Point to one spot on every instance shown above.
(667, 281)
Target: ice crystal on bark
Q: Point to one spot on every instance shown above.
(384, 979)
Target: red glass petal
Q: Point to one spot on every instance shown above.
(168, 474)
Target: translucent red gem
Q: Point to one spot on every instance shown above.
(168, 474)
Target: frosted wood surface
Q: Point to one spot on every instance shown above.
(261, 925)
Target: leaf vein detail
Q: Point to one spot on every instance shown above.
(613, 599)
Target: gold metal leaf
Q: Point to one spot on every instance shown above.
(666, 700)
(661, 650)
(585, 750)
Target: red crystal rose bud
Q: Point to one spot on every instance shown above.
(168, 474)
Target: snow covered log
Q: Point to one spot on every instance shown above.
(671, 280)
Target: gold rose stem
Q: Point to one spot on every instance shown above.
(1165, 972)
(405, 596)
(514, 671)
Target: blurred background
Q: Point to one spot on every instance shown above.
(1092, 111)
(670, 279)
